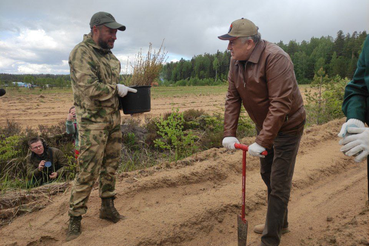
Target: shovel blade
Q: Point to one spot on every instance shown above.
(242, 231)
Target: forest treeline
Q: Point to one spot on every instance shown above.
(337, 56)
(39, 80)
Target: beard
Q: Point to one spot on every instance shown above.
(104, 44)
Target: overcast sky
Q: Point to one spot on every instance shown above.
(36, 36)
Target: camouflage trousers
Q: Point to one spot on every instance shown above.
(100, 155)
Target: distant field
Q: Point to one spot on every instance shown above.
(31, 108)
(188, 90)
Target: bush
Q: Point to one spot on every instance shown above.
(11, 129)
(324, 98)
(137, 145)
(9, 148)
(173, 137)
(14, 149)
(146, 69)
(182, 82)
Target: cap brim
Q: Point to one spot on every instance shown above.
(227, 37)
(116, 25)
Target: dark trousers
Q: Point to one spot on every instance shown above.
(277, 171)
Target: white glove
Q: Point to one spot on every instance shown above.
(228, 142)
(256, 150)
(123, 90)
(358, 143)
(350, 123)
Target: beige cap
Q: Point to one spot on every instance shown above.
(240, 28)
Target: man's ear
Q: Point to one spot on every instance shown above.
(94, 29)
(250, 44)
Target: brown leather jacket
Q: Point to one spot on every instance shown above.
(267, 87)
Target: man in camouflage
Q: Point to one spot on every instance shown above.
(94, 72)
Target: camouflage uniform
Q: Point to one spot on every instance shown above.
(95, 73)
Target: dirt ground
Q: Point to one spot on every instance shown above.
(52, 108)
(195, 202)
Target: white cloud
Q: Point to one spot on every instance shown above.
(28, 68)
(173, 60)
(37, 36)
(35, 39)
(126, 61)
(6, 64)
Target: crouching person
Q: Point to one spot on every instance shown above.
(44, 164)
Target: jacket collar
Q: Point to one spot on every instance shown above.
(87, 38)
(256, 53)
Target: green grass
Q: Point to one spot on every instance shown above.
(156, 92)
(11, 91)
(305, 86)
(182, 91)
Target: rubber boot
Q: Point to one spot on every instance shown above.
(108, 211)
(74, 228)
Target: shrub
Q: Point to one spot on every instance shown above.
(182, 82)
(9, 148)
(11, 157)
(11, 128)
(324, 98)
(146, 69)
(14, 149)
(137, 140)
(173, 138)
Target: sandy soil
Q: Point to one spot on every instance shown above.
(195, 202)
(51, 108)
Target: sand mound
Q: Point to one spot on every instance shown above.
(196, 201)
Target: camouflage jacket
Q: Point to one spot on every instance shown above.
(94, 73)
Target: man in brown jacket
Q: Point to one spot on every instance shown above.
(261, 77)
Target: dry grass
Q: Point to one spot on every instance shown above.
(146, 69)
(13, 204)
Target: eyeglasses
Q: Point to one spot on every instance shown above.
(37, 147)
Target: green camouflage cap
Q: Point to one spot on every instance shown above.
(106, 19)
(240, 28)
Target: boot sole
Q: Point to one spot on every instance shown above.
(114, 220)
(72, 237)
(284, 231)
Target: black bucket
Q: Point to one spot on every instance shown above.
(139, 102)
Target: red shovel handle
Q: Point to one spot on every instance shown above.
(246, 148)
(241, 146)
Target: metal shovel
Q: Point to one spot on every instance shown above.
(241, 220)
